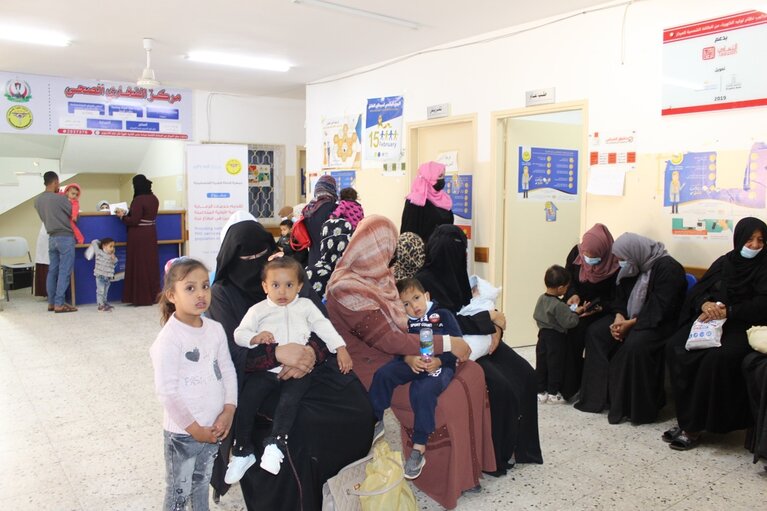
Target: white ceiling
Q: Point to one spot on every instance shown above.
(319, 43)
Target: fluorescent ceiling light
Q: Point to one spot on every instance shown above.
(229, 59)
(360, 12)
(33, 36)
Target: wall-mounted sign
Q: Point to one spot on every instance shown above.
(540, 96)
(438, 111)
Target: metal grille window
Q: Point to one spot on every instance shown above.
(266, 181)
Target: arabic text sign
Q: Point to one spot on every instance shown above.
(383, 129)
(715, 64)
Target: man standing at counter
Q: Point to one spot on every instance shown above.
(55, 211)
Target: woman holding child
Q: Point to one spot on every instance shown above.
(366, 309)
(510, 379)
(334, 425)
(624, 365)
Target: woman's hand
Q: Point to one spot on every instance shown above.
(460, 348)
(621, 327)
(296, 356)
(499, 318)
(495, 340)
(575, 299)
(712, 310)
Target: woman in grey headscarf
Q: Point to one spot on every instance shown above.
(624, 364)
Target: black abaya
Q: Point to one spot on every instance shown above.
(755, 372)
(627, 376)
(422, 220)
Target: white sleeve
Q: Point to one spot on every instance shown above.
(247, 329)
(322, 326)
(166, 355)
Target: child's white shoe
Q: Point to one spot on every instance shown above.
(542, 397)
(556, 398)
(237, 468)
(272, 459)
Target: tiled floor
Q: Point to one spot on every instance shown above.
(80, 430)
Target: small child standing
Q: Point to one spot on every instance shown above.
(282, 318)
(554, 318)
(195, 381)
(73, 191)
(103, 270)
(429, 377)
(348, 208)
(283, 243)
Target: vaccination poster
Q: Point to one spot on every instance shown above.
(342, 142)
(383, 129)
(547, 173)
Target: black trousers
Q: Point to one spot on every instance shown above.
(255, 390)
(550, 360)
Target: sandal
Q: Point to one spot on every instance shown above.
(670, 435)
(684, 442)
(51, 308)
(65, 308)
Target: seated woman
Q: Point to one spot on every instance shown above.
(755, 372)
(335, 238)
(365, 308)
(624, 364)
(335, 422)
(510, 379)
(593, 269)
(708, 384)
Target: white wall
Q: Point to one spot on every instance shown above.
(582, 58)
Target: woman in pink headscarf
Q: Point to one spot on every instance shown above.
(593, 269)
(427, 205)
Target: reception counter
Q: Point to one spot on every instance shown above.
(171, 230)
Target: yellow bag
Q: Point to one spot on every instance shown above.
(384, 487)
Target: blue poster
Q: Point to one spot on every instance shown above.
(543, 167)
(344, 178)
(383, 129)
(459, 189)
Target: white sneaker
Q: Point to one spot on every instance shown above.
(542, 397)
(237, 468)
(272, 459)
(556, 399)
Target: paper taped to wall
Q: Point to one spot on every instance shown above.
(606, 181)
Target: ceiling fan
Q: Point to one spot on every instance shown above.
(147, 78)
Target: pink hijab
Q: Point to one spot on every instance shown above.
(362, 280)
(423, 187)
(599, 242)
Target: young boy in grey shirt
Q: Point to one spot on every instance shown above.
(554, 318)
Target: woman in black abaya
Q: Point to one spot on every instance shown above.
(624, 364)
(708, 384)
(510, 379)
(335, 423)
(755, 372)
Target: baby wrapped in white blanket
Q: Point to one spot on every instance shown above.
(483, 299)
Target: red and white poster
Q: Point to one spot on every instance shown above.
(717, 64)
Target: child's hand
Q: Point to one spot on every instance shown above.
(582, 308)
(223, 422)
(202, 434)
(262, 338)
(344, 360)
(433, 364)
(416, 363)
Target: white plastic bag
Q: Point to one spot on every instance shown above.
(757, 338)
(705, 335)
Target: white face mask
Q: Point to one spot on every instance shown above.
(749, 253)
(623, 264)
(591, 261)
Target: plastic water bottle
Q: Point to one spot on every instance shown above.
(427, 343)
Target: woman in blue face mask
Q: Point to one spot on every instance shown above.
(708, 384)
(624, 365)
(593, 269)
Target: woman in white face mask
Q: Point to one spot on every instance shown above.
(624, 365)
(593, 269)
(708, 384)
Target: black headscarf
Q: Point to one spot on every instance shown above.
(246, 238)
(445, 275)
(141, 185)
(732, 277)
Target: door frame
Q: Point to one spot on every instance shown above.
(412, 139)
(498, 154)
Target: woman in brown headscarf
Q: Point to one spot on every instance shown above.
(365, 308)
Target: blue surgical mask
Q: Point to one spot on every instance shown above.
(591, 261)
(623, 264)
(749, 253)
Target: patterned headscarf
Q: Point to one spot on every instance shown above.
(411, 254)
(363, 280)
(335, 235)
(324, 191)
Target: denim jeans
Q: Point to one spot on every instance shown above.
(188, 467)
(61, 251)
(102, 289)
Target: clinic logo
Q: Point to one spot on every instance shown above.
(19, 117)
(18, 91)
(234, 166)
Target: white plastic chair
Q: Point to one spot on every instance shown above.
(13, 247)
